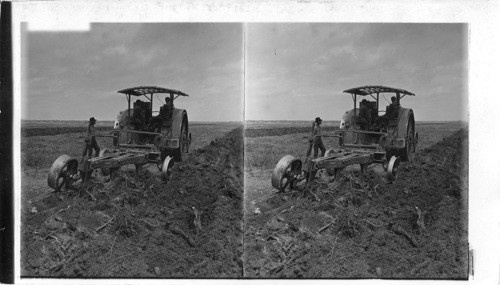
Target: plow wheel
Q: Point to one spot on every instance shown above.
(392, 168)
(166, 169)
(62, 172)
(285, 172)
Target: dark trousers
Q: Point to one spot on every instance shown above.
(317, 144)
(89, 146)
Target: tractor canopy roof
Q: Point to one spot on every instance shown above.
(143, 90)
(374, 89)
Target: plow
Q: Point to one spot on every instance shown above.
(358, 144)
(139, 138)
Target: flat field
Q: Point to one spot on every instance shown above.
(133, 227)
(347, 228)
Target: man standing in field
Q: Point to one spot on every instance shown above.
(90, 142)
(315, 139)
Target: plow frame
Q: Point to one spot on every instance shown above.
(292, 170)
(66, 171)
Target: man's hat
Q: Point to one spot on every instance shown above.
(318, 119)
(93, 119)
(393, 98)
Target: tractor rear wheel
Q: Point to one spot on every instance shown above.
(406, 152)
(183, 142)
(415, 143)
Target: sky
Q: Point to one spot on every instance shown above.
(298, 71)
(76, 75)
(252, 71)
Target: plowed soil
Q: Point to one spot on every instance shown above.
(144, 227)
(346, 228)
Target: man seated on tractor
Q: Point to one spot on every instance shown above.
(364, 118)
(392, 112)
(167, 109)
(165, 115)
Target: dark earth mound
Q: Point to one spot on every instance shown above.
(350, 229)
(145, 227)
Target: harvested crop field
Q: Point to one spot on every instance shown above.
(142, 227)
(352, 229)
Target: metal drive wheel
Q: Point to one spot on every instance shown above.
(406, 152)
(183, 142)
(188, 142)
(392, 168)
(62, 172)
(285, 172)
(166, 169)
(415, 142)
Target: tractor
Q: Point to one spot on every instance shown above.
(168, 130)
(364, 137)
(140, 136)
(397, 136)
